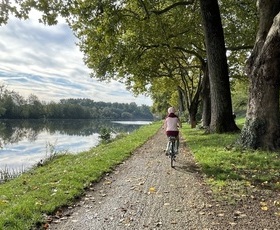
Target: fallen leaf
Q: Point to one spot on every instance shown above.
(248, 183)
(152, 190)
(107, 182)
(276, 203)
(264, 208)
(263, 203)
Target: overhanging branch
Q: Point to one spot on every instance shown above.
(182, 3)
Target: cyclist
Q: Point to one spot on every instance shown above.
(171, 127)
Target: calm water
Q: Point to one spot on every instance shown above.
(24, 143)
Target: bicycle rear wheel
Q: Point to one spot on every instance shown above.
(172, 154)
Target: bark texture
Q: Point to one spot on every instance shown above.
(262, 126)
(221, 104)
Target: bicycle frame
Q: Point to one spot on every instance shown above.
(171, 149)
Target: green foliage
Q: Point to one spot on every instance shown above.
(148, 43)
(149, 46)
(44, 189)
(240, 21)
(141, 43)
(105, 135)
(240, 88)
(14, 106)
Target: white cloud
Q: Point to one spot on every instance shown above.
(44, 60)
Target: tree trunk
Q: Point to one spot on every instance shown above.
(206, 100)
(193, 121)
(221, 105)
(262, 126)
(191, 103)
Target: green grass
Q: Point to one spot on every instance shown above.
(230, 171)
(229, 168)
(25, 199)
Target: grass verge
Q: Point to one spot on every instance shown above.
(25, 199)
(231, 171)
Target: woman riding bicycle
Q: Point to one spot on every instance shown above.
(171, 127)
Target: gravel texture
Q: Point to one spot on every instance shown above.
(146, 193)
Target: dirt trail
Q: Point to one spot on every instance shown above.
(146, 193)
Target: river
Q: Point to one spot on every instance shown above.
(23, 143)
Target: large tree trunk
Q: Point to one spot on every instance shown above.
(262, 126)
(221, 105)
(193, 113)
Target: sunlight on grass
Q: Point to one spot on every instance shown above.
(224, 164)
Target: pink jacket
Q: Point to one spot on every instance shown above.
(172, 123)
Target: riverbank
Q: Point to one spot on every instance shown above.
(24, 143)
(25, 200)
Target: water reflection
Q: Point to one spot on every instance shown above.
(24, 142)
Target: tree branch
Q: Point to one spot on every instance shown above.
(245, 47)
(182, 3)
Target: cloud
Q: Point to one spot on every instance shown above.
(45, 61)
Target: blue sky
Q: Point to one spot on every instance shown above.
(44, 61)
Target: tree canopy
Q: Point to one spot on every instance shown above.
(136, 41)
(149, 44)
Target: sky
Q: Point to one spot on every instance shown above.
(45, 61)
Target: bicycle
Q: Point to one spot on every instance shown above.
(171, 150)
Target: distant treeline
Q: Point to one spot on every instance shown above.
(14, 106)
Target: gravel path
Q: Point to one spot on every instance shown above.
(146, 193)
